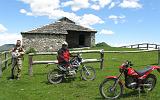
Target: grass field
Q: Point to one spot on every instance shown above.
(38, 88)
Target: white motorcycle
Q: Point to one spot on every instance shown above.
(57, 75)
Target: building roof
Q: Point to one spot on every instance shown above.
(61, 27)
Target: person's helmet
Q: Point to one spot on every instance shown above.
(65, 43)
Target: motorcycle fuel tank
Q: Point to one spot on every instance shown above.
(131, 72)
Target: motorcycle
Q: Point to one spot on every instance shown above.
(112, 87)
(57, 75)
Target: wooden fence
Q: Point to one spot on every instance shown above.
(4, 60)
(31, 62)
(101, 59)
(145, 46)
(6, 56)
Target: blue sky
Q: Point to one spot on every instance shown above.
(118, 22)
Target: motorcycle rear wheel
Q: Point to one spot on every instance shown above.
(151, 81)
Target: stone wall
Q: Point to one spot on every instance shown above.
(43, 42)
(46, 42)
(92, 39)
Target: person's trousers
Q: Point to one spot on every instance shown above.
(16, 64)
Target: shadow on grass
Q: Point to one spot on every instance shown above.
(133, 94)
(37, 74)
(130, 94)
(126, 95)
(65, 80)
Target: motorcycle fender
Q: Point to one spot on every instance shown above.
(156, 67)
(115, 77)
(111, 77)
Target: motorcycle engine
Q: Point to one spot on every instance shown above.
(75, 64)
(130, 82)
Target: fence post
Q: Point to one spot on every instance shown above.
(156, 46)
(138, 46)
(30, 69)
(102, 59)
(147, 46)
(0, 66)
(6, 59)
(158, 56)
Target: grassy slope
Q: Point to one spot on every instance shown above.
(37, 87)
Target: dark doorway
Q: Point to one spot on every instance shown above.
(81, 39)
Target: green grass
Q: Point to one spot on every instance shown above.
(38, 88)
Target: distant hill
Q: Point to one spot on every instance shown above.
(102, 44)
(6, 47)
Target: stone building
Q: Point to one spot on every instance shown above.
(52, 36)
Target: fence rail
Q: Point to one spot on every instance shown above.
(31, 62)
(4, 58)
(145, 46)
(101, 59)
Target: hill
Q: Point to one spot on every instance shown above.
(6, 47)
(102, 44)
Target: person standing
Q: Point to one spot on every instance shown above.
(17, 57)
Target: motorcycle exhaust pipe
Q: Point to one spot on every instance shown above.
(146, 85)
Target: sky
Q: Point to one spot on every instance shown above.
(118, 22)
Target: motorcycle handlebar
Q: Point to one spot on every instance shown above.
(127, 63)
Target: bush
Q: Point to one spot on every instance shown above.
(102, 44)
(30, 50)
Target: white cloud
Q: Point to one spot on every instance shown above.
(23, 11)
(90, 19)
(106, 32)
(98, 4)
(130, 4)
(9, 38)
(95, 7)
(41, 7)
(84, 4)
(116, 3)
(112, 5)
(77, 4)
(117, 19)
(2, 28)
(104, 3)
(54, 11)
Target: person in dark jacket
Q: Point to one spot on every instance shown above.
(64, 56)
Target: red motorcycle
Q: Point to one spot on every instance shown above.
(143, 81)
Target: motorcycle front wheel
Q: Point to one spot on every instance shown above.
(54, 77)
(88, 73)
(110, 90)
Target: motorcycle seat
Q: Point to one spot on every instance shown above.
(142, 72)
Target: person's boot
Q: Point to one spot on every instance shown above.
(17, 78)
(11, 78)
